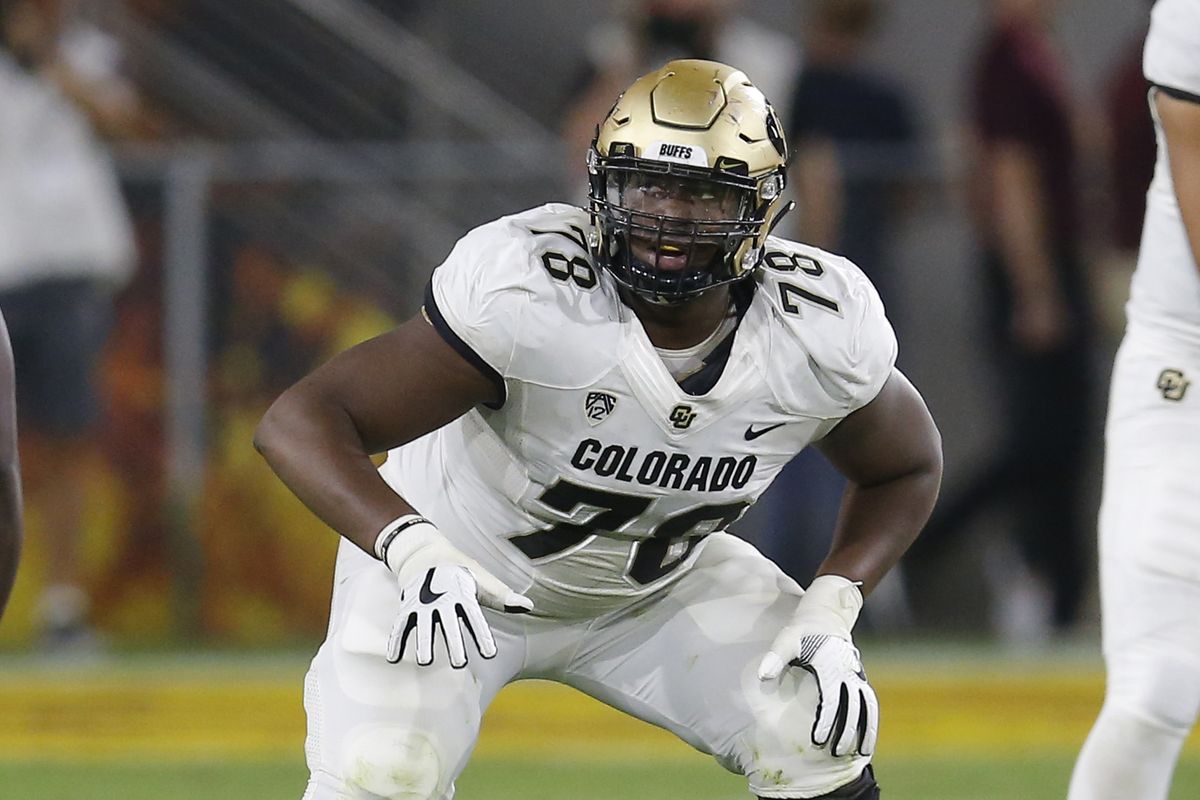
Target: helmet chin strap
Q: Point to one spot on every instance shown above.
(659, 300)
(769, 228)
(754, 254)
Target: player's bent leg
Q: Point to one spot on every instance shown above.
(1150, 707)
(382, 731)
(384, 762)
(1149, 590)
(687, 660)
(1125, 756)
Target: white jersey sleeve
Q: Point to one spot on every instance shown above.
(507, 293)
(837, 345)
(1172, 55)
(474, 305)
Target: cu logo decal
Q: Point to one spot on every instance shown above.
(1172, 384)
(682, 416)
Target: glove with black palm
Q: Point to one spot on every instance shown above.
(440, 586)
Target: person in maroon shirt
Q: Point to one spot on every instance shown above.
(1022, 184)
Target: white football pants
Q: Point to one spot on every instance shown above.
(683, 659)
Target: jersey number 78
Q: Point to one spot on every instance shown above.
(668, 546)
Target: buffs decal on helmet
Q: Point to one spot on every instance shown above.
(686, 179)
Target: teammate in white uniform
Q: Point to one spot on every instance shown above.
(1150, 514)
(589, 399)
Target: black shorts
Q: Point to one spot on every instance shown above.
(58, 329)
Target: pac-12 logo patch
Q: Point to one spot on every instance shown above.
(1172, 384)
(598, 406)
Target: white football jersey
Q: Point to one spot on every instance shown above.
(599, 476)
(1165, 294)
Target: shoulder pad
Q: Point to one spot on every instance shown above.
(511, 289)
(1170, 58)
(832, 347)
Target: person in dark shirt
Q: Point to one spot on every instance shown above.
(1022, 182)
(854, 142)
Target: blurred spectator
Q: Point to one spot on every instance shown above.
(10, 473)
(852, 137)
(1022, 180)
(68, 246)
(648, 33)
(853, 140)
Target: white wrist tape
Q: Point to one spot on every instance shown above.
(405, 526)
(835, 595)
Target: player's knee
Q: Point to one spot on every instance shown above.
(783, 761)
(1162, 691)
(390, 763)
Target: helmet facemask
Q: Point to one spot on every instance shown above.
(668, 233)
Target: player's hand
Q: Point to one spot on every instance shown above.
(818, 640)
(440, 587)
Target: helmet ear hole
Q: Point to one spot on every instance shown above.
(668, 161)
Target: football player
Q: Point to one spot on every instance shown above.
(589, 399)
(1149, 514)
(10, 472)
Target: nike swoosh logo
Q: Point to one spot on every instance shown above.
(752, 434)
(427, 594)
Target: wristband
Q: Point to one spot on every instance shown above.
(836, 594)
(393, 529)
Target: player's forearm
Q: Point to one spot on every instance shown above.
(314, 447)
(1019, 223)
(878, 523)
(891, 453)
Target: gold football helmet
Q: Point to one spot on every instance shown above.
(686, 179)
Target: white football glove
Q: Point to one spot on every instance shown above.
(818, 640)
(440, 586)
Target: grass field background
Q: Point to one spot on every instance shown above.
(958, 722)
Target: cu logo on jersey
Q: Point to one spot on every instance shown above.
(1172, 384)
(598, 406)
(682, 416)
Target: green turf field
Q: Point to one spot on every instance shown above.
(511, 778)
(958, 722)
